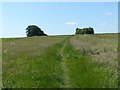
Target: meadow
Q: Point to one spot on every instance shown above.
(66, 61)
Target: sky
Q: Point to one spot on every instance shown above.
(58, 18)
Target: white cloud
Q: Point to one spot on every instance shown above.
(108, 13)
(71, 23)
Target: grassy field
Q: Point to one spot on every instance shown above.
(80, 61)
(0, 63)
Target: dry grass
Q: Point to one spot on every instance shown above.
(102, 51)
(102, 48)
(32, 46)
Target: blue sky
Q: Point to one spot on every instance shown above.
(58, 18)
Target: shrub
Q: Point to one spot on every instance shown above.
(84, 31)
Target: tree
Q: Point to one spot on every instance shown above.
(84, 31)
(33, 30)
(91, 30)
(79, 31)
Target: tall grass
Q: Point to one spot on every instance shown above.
(60, 62)
(30, 64)
(83, 73)
(99, 56)
(0, 63)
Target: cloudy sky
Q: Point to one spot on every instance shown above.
(58, 18)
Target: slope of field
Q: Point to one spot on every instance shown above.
(80, 61)
(98, 58)
(0, 63)
(32, 62)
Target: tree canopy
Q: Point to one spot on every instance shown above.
(84, 30)
(33, 30)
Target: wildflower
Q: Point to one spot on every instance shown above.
(32, 77)
(115, 50)
(12, 43)
(108, 67)
(5, 50)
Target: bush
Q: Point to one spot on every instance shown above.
(84, 31)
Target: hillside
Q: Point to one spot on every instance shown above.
(80, 61)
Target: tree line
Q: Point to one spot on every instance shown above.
(33, 30)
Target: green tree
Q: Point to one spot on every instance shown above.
(84, 30)
(33, 30)
(91, 30)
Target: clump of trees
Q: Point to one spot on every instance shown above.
(33, 30)
(84, 30)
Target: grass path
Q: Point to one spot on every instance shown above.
(34, 69)
(80, 72)
(55, 64)
(64, 68)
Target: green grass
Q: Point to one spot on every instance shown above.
(0, 62)
(38, 72)
(99, 60)
(80, 61)
(29, 68)
(85, 74)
